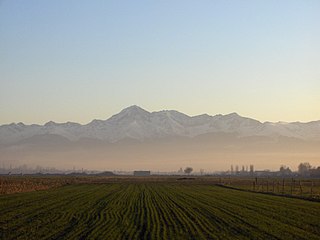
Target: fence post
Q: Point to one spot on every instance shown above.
(256, 184)
(273, 186)
(294, 184)
(283, 186)
(300, 187)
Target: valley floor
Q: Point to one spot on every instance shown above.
(155, 210)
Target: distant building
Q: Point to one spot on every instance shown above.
(264, 173)
(141, 173)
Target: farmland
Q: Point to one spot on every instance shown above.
(298, 187)
(167, 209)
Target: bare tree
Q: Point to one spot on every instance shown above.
(304, 168)
(285, 171)
(251, 169)
(188, 170)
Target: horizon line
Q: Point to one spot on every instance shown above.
(164, 110)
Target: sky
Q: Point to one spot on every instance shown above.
(82, 60)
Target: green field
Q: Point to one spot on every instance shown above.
(299, 187)
(155, 210)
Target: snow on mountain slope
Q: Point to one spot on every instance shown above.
(15, 132)
(136, 123)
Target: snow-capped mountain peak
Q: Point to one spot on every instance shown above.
(137, 123)
(132, 112)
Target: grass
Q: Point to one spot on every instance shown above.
(14, 184)
(300, 187)
(155, 210)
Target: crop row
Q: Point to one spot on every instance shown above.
(144, 210)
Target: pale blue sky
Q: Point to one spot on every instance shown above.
(80, 60)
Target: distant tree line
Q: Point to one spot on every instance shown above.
(304, 170)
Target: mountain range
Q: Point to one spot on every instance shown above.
(136, 123)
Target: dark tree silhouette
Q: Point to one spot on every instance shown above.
(304, 168)
(188, 170)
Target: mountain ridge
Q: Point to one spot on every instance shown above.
(137, 123)
(133, 106)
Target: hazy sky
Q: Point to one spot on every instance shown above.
(80, 60)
